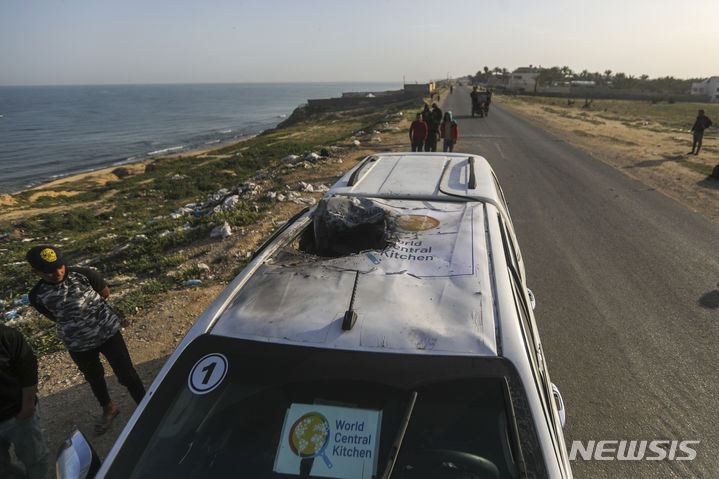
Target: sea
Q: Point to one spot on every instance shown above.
(49, 132)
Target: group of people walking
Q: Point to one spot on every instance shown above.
(430, 126)
(74, 298)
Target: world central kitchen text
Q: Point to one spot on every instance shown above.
(409, 250)
(350, 438)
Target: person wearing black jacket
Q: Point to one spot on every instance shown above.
(435, 118)
(702, 123)
(74, 298)
(19, 423)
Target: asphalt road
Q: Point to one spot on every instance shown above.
(627, 296)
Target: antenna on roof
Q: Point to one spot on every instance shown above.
(350, 316)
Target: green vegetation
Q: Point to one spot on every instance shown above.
(136, 300)
(125, 228)
(698, 167)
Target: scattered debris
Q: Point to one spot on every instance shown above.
(203, 267)
(223, 231)
(230, 202)
(305, 201)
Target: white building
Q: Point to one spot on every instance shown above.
(708, 87)
(523, 79)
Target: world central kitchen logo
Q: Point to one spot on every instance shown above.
(311, 434)
(329, 441)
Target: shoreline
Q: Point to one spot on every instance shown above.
(231, 113)
(106, 170)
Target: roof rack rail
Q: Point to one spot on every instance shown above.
(472, 176)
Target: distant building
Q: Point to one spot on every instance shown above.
(523, 79)
(419, 89)
(370, 94)
(708, 87)
(583, 83)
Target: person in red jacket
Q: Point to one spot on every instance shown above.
(449, 131)
(418, 133)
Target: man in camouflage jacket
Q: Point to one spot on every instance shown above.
(74, 298)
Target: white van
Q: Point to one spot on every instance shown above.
(387, 332)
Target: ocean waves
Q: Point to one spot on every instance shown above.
(51, 132)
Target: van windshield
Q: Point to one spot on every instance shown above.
(231, 408)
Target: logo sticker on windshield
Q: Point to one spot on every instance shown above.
(207, 373)
(329, 441)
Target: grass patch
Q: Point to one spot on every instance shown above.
(133, 302)
(678, 115)
(619, 141)
(698, 167)
(583, 133)
(42, 336)
(553, 111)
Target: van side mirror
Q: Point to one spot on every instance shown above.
(76, 458)
(532, 299)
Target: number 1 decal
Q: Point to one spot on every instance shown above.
(208, 370)
(207, 373)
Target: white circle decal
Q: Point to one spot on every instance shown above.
(207, 373)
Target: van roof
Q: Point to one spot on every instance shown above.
(421, 176)
(429, 292)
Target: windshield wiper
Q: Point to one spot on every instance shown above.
(394, 451)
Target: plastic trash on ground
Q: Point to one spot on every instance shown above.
(223, 231)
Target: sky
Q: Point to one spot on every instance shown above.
(64, 42)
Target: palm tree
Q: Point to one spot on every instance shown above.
(504, 75)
